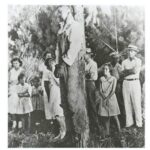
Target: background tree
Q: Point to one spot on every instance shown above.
(113, 28)
(32, 30)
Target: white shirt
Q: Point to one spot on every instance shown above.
(132, 64)
(91, 68)
(45, 72)
(74, 34)
(13, 75)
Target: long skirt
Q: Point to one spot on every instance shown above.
(52, 102)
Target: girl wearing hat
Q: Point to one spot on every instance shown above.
(53, 110)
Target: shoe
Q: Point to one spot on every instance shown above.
(37, 123)
(20, 124)
(62, 127)
(14, 124)
(62, 134)
(139, 127)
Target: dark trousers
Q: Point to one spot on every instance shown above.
(119, 96)
(91, 106)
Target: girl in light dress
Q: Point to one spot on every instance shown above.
(108, 105)
(44, 74)
(37, 116)
(54, 98)
(21, 94)
(13, 80)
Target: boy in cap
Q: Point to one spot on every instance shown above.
(131, 87)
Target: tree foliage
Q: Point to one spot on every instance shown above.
(33, 29)
(113, 29)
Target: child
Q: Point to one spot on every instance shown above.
(37, 102)
(13, 80)
(108, 105)
(24, 106)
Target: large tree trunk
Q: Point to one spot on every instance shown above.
(73, 92)
(79, 16)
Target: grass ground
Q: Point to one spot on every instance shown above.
(129, 137)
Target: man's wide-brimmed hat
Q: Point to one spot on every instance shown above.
(133, 47)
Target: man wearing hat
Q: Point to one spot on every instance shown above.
(116, 71)
(91, 75)
(131, 87)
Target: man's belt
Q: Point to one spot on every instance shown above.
(131, 79)
(90, 80)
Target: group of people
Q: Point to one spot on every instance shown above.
(58, 92)
(29, 104)
(117, 92)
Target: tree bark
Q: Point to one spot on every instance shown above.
(72, 86)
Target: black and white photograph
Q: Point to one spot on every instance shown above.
(76, 76)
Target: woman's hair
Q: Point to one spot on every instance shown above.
(16, 59)
(47, 61)
(36, 78)
(45, 53)
(21, 76)
(109, 66)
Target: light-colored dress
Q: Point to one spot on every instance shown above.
(112, 109)
(13, 80)
(37, 98)
(52, 107)
(22, 105)
(13, 75)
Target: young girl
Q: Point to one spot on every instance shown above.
(21, 93)
(54, 98)
(108, 106)
(37, 102)
(13, 80)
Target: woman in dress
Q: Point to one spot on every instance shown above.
(54, 98)
(108, 105)
(13, 80)
(44, 74)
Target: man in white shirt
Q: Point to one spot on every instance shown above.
(131, 87)
(70, 70)
(91, 75)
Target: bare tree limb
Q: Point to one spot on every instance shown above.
(108, 45)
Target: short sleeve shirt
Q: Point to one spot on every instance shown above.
(132, 64)
(13, 75)
(91, 68)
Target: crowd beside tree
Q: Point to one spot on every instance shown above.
(35, 31)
